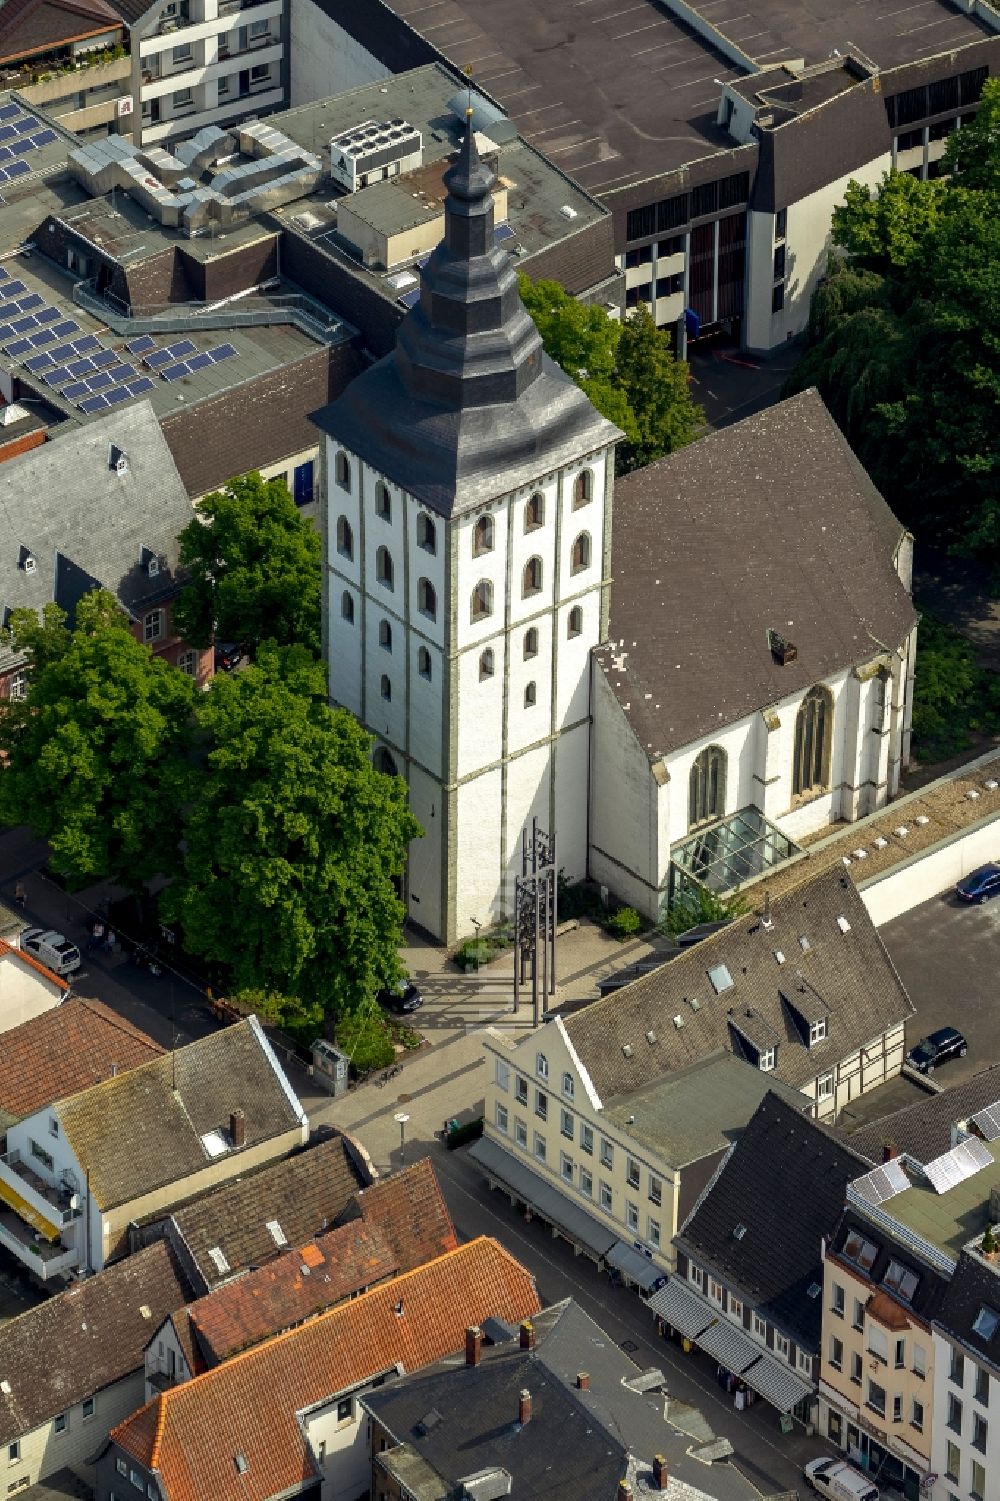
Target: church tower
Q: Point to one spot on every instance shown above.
(467, 532)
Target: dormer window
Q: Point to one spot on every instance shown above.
(817, 1032)
(26, 560)
(541, 1066)
(766, 1060)
(117, 459)
(148, 560)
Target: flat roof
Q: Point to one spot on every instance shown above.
(949, 1220)
(616, 91)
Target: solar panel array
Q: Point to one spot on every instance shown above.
(987, 1121)
(20, 135)
(882, 1184)
(78, 365)
(963, 1161)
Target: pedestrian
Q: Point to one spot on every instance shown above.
(109, 941)
(20, 895)
(96, 934)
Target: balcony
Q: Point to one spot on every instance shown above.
(36, 1201)
(47, 1259)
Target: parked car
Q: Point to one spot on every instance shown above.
(839, 1480)
(52, 949)
(945, 1043)
(227, 656)
(406, 997)
(980, 885)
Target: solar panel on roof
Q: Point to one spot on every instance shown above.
(141, 344)
(79, 368)
(17, 347)
(21, 325)
(9, 111)
(199, 361)
(157, 358)
(57, 377)
(65, 329)
(13, 289)
(115, 395)
(24, 124)
(75, 391)
(4, 154)
(93, 404)
(175, 371)
(224, 352)
(4, 274)
(38, 340)
(18, 169)
(988, 1121)
(124, 371)
(99, 381)
(410, 299)
(38, 362)
(6, 332)
(44, 138)
(137, 387)
(47, 315)
(7, 132)
(181, 348)
(105, 358)
(502, 232)
(87, 344)
(21, 147)
(30, 303)
(961, 1162)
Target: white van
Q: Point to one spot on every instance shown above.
(51, 949)
(839, 1480)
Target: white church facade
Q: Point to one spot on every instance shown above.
(507, 658)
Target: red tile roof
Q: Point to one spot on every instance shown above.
(192, 1434)
(64, 1051)
(403, 1223)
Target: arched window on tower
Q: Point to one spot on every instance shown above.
(383, 501)
(580, 556)
(424, 663)
(530, 696)
(530, 644)
(583, 488)
(813, 730)
(574, 622)
(482, 536)
(707, 786)
(426, 533)
(342, 470)
(383, 567)
(482, 600)
(486, 664)
(385, 687)
(345, 538)
(383, 762)
(347, 607)
(385, 635)
(531, 581)
(427, 599)
(534, 512)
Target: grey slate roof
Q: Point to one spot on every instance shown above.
(851, 972)
(82, 1340)
(785, 1181)
(923, 1130)
(85, 524)
(974, 1285)
(305, 1193)
(769, 524)
(577, 1444)
(142, 1130)
(467, 406)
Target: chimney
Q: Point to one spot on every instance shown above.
(624, 1491)
(238, 1128)
(524, 1407)
(889, 1151)
(473, 1345)
(583, 1381)
(527, 1335)
(661, 1478)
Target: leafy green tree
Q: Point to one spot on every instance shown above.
(628, 371)
(887, 228)
(697, 904)
(254, 565)
(95, 754)
(973, 153)
(292, 841)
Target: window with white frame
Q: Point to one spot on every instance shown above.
(152, 626)
(781, 1346)
(919, 1366)
(521, 1133)
(502, 1075)
(655, 1189)
(501, 1116)
(586, 1183)
(568, 1086)
(587, 1139)
(187, 662)
(824, 1086)
(917, 1415)
(566, 1124)
(715, 1291)
(836, 1353)
(60, 1422)
(541, 1066)
(632, 1172)
(565, 1168)
(765, 1060)
(19, 683)
(876, 1398)
(759, 1326)
(632, 1216)
(878, 1343)
(607, 1198)
(89, 1407)
(14, 1455)
(696, 1276)
(817, 1031)
(541, 1104)
(539, 1146)
(735, 1309)
(521, 1090)
(653, 1232)
(607, 1153)
(804, 1361)
(383, 502)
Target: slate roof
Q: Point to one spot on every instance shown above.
(768, 524)
(143, 1129)
(923, 1129)
(850, 971)
(930, 1288)
(785, 1181)
(85, 524)
(63, 1051)
(82, 1340)
(975, 1285)
(399, 1224)
(555, 1455)
(249, 1405)
(305, 1193)
(466, 406)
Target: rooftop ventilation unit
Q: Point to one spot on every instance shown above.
(369, 150)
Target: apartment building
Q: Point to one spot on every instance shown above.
(965, 1448)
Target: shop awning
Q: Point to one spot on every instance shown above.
(635, 1266)
(776, 1383)
(682, 1309)
(28, 1212)
(551, 1204)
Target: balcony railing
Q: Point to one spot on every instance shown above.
(45, 1199)
(45, 1258)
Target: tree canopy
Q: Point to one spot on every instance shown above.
(96, 751)
(904, 338)
(254, 565)
(292, 841)
(627, 369)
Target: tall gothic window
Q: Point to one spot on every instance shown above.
(342, 470)
(534, 512)
(583, 489)
(531, 580)
(813, 729)
(482, 600)
(707, 786)
(482, 536)
(580, 556)
(426, 533)
(345, 538)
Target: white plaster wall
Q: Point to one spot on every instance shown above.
(623, 817)
(425, 707)
(572, 756)
(423, 885)
(934, 871)
(157, 1358)
(44, 1452)
(24, 993)
(480, 716)
(477, 842)
(807, 243)
(340, 1449)
(741, 745)
(491, 566)
(385, 717)
(572, 697)
(529, 787)
(325, 59)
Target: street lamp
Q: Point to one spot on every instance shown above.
(401, 1119)
(478, 926)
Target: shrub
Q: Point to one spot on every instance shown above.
(367, 1041)
(474, 951)
(625, 922)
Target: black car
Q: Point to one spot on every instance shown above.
(406, 998)
(946, 1043)
(227, 656)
